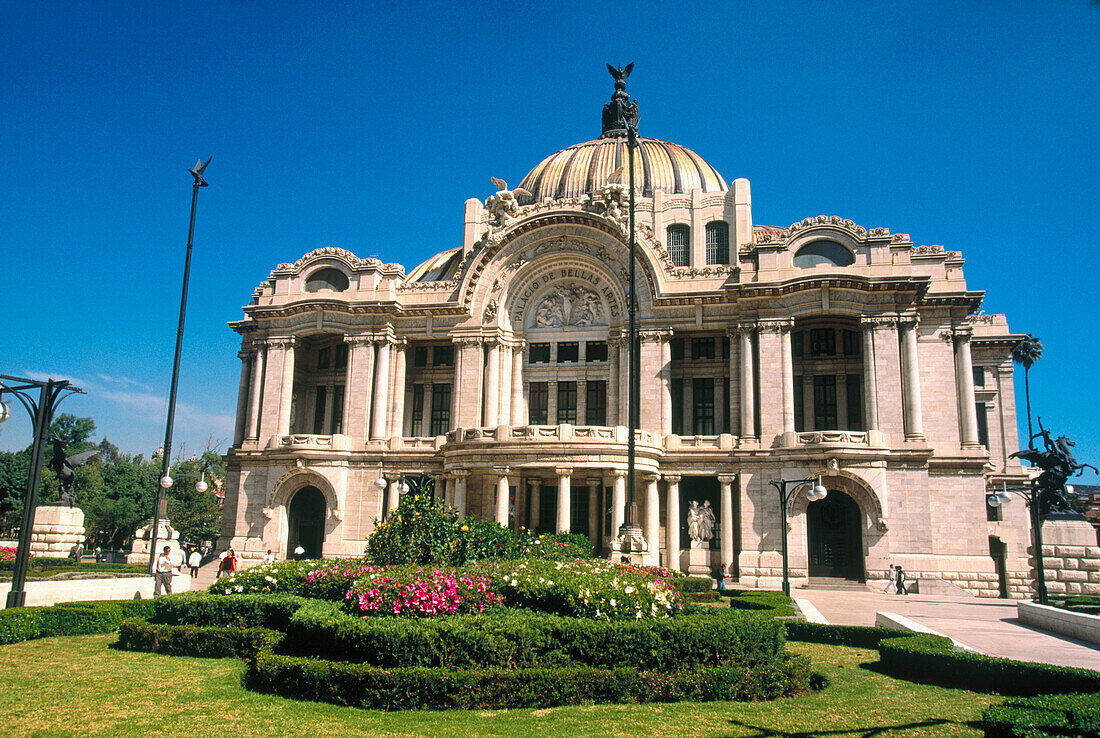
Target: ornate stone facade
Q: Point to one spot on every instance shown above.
(499, 369)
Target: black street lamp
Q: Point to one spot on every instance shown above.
(161, 506)
(785, 488)
(51, 393)
(1030, 496)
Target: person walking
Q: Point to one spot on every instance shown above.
(269, 557)
(892, 585)
(901, 590)
(163, 574)
(194, 561)
(299, 552)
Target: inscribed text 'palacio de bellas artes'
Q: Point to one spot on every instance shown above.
(496, 373)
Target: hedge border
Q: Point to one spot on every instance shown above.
(254, 610)
(19, 624)
(1046, 715)
(195, 640)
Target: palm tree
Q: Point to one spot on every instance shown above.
(1026, 353)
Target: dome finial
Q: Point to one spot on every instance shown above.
(621, 114)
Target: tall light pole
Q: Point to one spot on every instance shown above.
(161, 507)
(51, 394)
(783, 487)
(633, 370)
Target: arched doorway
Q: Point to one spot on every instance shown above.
(306, 516)
(836, 543)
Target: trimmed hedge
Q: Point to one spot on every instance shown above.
(444, 688)
(69, 618)
(693, 584)
(522, 639)
(1048, 715)
(932, 659)
(241, 611)
(777, 603)
(191, 640)
(841, 635)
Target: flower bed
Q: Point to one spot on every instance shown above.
(316, 578)
(420, 592)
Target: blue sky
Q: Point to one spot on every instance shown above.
(366, 126)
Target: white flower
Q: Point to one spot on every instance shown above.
(238, 589)
(638, 615)
(629, 589)
(613, 603)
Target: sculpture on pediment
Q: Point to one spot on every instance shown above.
(504, 205)
(568, 305)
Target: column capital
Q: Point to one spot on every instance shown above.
(502, 471)
(775, 326)
(460, 473)
(650, 477)
(283, 342)
(245, 354)
(563, 471)
(672, 478)
(594, 481)
(535, 482)
(399, 344)
(908, 321)
(727, 478)
(359, 339)
(618, 473)
(655, 335)
(878, 321)
(467, 340)
(742, 328)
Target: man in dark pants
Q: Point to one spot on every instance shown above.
(901, 582)
(164, 573)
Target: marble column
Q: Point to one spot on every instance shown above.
(564, 479)
(381, 391)
(748, 394)
(964, 377)
(666, 383)
(393, 495)
(241, 424)
(276, 394)
(397, 402)
(536, 505)
(594, 512)
(719, 404)
(518, 416)
(618, 502)
(286, 401)
(870, 375)
(672, 521)
(425, 413)
(358, 386)
(504, 386)
(652, 530)
(501, 510)
(492, 385)
(613, 379)
(914, 422)
(788, 378)
(461, 476)
(726, 514)
(255, 395)
(733, 405)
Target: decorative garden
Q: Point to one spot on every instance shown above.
(447, 613)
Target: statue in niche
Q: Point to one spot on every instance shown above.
(700, 522)
(568, 305)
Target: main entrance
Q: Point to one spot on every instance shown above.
(836, 545)
(307, 523)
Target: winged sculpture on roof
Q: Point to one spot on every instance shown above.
(503, 205)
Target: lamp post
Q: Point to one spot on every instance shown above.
(785, 488)
(161, 506)
(1030, 496)
(51, 393)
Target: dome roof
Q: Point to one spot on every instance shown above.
(585, 167)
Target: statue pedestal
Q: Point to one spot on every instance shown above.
(1071, 557)
(698, 562)
(56, 528)
(166, 536)
(630, 543)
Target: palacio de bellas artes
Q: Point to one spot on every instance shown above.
(495, 376)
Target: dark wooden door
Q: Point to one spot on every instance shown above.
(836, 546)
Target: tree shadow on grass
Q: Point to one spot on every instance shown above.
(866, 732)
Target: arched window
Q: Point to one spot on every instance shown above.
(718, 242)
(678, 238)
(327, 279)
(823, 252)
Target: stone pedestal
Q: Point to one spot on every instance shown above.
(56, 528)
(166, 536)
(630, 543)
(698, 562)
(1071, 557)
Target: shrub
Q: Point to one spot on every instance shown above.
(841, 635)
(554, 547)
(694, 584)
(419, 592)
(777, 603)
(588, 589)
(241, 611)
(191, 640)
(435, 688)
(318, 578)
(68, 618)
(522, 639)
(1047, 715)
(426, 531)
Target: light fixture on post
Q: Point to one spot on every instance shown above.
(785, 489)
(1030, 496)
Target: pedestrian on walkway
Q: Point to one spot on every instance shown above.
(901, 590)
(194, 561)
(892, 585)
(163, 574)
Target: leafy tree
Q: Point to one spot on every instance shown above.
(196, 515)
(74, 432)
(1026, 353)
(14, 468)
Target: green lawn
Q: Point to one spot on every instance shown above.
(77, 685)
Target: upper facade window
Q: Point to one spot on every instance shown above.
(327, 279)
(678, 238)
(718, 242)
(823, 252)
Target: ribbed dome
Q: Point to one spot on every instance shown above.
(585, 167)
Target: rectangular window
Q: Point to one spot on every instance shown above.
(548, 508)
(702, 397)
(443, 356)
(540, 353)
(825, 402)
(341, 356)
(725, 347)
(718, 243)
(337, 425)
(569, 353)
(725, 410)
(441, 409)
(677, 347)
(677, 406)
(678, 247)
(822, 342)
(595, 351)
(595, 403)
(420, 356)
(324, 358)
(850, 341)
(578, 509)
(983, 424)
(979, 375)
(567, 402)
(417, 408)
(319, 410)
(799, 406)
(855, 402)
(797, 340)
(702, 348)
(538, 402)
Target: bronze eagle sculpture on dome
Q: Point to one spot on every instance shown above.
(504, 204)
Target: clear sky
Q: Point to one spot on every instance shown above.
(366, 126)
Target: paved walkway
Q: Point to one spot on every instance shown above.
(986, 625)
